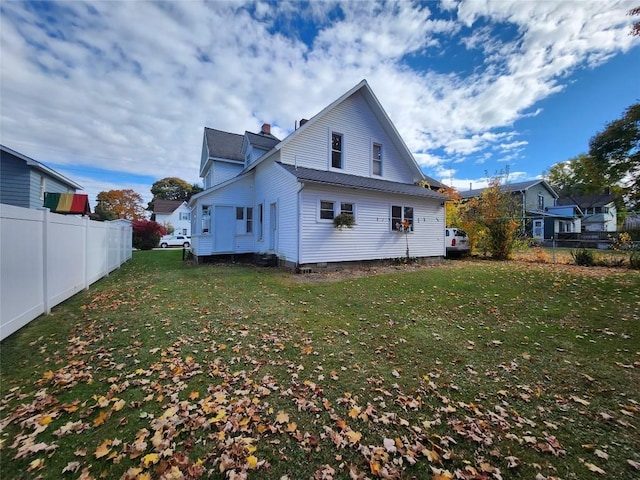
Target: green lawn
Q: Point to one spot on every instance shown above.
(472, 369)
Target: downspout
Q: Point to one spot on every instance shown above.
(299, 224)
(524, 212)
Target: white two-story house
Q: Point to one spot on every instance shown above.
(278, 197)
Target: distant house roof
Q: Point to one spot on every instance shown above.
(587, 201)
(513, 187)
(354, 181)
(264, 141)
(42, 167)
(224, 144)
(166, 207)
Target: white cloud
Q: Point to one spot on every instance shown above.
(129, 86)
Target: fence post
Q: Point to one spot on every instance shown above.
(85, 255)
(46, 304)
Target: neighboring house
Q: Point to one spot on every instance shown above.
(599, 213)
(279, 198)
(537, 201)
(174, 212)
(24, 181)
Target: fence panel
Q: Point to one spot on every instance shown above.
(46, 258)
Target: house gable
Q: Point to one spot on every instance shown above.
(359, 126)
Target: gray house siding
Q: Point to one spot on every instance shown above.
(14, 181)
(23, 180)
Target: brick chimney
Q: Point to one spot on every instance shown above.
(266, 129)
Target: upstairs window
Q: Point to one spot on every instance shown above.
(336, 150)
(401, 216)
(377, 159)
(540, 202)
(185, 216)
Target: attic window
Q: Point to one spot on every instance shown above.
(336, 150)
(377, 159)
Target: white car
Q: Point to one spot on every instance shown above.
(175, 241)
(456, 242)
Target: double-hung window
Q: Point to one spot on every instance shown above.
(185, 216)
(540, 202)
(376, 166)
(244, 220)
(327, 211)
(346, 207)
(401, 218)
(337, 157)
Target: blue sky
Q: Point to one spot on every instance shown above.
(116, 94)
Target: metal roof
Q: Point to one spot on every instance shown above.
(361, 183)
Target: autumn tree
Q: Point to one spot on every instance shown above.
(492, 218)
(574, 177)
(615, 154)
(125, 204)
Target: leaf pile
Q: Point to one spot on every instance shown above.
(257, 377)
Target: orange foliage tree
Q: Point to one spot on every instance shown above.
(491, 219)
(125, 204)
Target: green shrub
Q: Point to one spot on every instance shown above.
(634, 260)
(583, 256)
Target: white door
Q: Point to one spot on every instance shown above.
(538, 229)
(273, 226)
(224, 229)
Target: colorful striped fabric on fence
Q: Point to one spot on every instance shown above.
(67, 203)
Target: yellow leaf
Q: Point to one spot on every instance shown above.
(119, 405)
(193, 395)
(48, 375)
(292, 427)
(101, 418)
(375, 467)
(103, 449)
(37, 464)
(45, 420)
(150, 459)
(353, 437)
(221, 415)
(282, 417)
(354, 412)
(252, 462)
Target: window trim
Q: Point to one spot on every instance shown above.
(320, 210)
(403, 209)
(342, 152)
(375, 144)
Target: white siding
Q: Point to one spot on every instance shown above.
(237, 194)
(174, 219)
(223, 171)
(275, 185)
(360, 129)
(371, 238)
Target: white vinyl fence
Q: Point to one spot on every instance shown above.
(46, 258)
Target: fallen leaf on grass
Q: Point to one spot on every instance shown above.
(635, 465)
(582, 401)
(594, 468)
